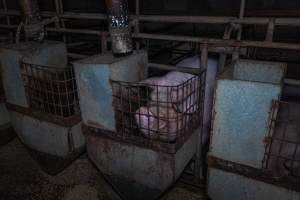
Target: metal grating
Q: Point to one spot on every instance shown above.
(51, 90)
(282, 155)
(151, 113)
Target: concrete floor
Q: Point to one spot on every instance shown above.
(22, 179)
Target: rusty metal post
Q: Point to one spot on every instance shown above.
(32, 20)
(227, 34)
(137, 22)
(270, 30)
(119, 26)
(199, 152)
(236, 55)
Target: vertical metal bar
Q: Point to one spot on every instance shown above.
(199, 153)
(103, 43)
(235, 55)
(227, 35)
(137, 22)
(270, 30)
(56, 4)
(68, 91)
(5, 9)
(59, 10)
(242, 9)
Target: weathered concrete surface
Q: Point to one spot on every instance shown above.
(21, 178)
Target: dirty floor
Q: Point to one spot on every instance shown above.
(22, 179)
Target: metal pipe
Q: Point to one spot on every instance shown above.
(210, 41)
(137, 24)
(270, 31)
(175, 68)
(227, 34)
(220, 42)
(172, 19)
(119, 26)
(31, 19)
(199, 152)
(236, 55)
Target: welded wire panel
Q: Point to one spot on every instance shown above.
(51, 90)
(282, 154)
(153, 112)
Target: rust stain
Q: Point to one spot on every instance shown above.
(61, 121)
(94, 124)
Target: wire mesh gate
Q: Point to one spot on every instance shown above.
(151, 114)
(282, 155)
(51, 90)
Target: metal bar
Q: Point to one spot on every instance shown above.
(199, 152)
(220, 42)
(175, 68)
(103, 43)
(77, 56)
(292, 81)
(227, 34)
(78, 31)
(172, 19)
(210, 41)
(270, 30)
(236, 55)
(242, 9)
(5, 8)
(137, 24)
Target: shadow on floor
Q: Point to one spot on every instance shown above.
(21, 178)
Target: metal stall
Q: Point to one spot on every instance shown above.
(41, 94)
(254, 142)
(225, 46)
(134, 135)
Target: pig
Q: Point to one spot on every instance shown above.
(286, 142)
(174, 87)
(188, 104)
(162, 123)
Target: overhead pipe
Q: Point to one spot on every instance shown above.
(119, 27)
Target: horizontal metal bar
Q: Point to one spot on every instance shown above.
(78, 31)
(219, 42)
(292, 81)
(176, 68)
(63, 30)
(77, 56)
(211, 41)
(172, 19)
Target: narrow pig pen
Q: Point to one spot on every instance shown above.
(21, 178)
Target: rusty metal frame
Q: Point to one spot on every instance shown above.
(137, 19)
(61, 121)
(253, 173)
(230, 46)
(282, 138)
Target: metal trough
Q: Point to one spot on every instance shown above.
(137, 164)
(38, 97)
